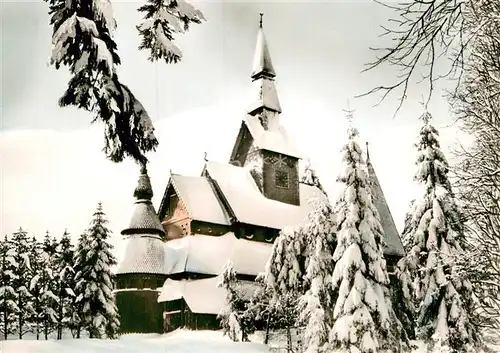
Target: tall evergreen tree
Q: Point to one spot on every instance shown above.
(7, 293)
(23, 307)
(36, 285)
(48, 279)
(364, 321)
(79, 263)
(95, 281)
(316, 305)
(65, 283)
(283, 278)
(434, 236)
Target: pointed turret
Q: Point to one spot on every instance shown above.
(144, 219)
(144, 252)
(262, 64)
(263, 74)
(392, 239)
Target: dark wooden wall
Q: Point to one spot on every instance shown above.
(243, 143)
(140, 280)
(139, 311)
(176, 314)
(290, 194)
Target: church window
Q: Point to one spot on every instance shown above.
(282, 179)
(269, 238)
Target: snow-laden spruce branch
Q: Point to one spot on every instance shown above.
(424, 32)
(83, 41)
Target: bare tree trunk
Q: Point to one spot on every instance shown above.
(268, 324)
(288, 339)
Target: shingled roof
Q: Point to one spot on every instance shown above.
(394, 245)
(144, 251)
(144, 218)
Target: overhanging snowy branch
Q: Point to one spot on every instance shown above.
(83, 41)
(162, 19)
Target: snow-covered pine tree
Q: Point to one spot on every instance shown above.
(364, 321)
(83, 40)
(230, 316)
(48, 272)
(36, 285)
(433, 238)
(283, 278)
(316, 304)
(403, 299)
(94, 280)
(7, 293)
(65, 283)
(21, 283)
(311, 178)
(79, 263)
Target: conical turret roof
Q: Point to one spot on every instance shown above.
(144, 218)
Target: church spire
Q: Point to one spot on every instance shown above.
(262, 64)
(263, 75)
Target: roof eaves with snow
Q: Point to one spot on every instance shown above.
(205, 254)
(271, 140)
(202, 296)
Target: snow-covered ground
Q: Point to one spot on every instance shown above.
(181, 341)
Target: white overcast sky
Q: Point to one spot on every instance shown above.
(53, 172)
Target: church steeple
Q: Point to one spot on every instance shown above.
(262, 64)
(263, 74)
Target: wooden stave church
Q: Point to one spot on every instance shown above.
(158, 285)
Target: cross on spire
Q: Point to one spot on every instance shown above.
(260, 23)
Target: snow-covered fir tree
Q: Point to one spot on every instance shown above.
(36, 285)
(364, 321)
(7, 293)
(433, 238)
(83, 40)
(316, 304)
(23, 308)
(79, 263)
(65, 284)
(283, 278)
(231, 315)
(48, 273)
(95, 281)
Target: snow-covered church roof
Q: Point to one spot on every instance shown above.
(203, 296)
(202, 254)
(394, 245)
